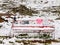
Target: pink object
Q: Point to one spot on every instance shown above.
(39, 21)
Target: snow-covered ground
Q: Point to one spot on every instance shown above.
(33, 4)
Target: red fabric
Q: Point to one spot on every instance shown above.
(39, 21)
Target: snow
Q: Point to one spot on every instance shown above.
(57, 29)
(53, 43)
(39, 43)
(5, 30)
(12, 40)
